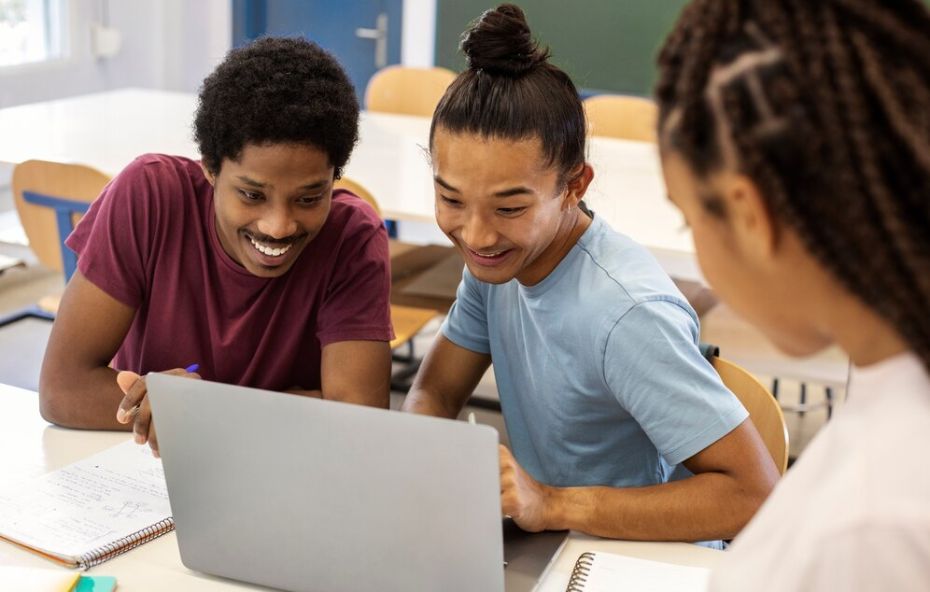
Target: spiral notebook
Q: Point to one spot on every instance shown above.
(92, 510)
(597, 572)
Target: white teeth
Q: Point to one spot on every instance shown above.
(487, 254)
(270, 251)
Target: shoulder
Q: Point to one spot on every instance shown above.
(353, 215)
(623, 277)
(157, 166)
(160, 178)
(625, 264)
(847, 509)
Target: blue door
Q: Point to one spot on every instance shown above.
(364, 35)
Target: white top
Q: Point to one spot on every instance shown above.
(854, 512)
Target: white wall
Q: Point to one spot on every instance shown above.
(418, 45)
(167, 44)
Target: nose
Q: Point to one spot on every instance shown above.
(477, 233)
(278, 222)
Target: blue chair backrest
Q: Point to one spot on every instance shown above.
(65, 209)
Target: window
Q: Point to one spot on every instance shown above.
(30, 31)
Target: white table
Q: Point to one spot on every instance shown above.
(30, 447)
(107, 130)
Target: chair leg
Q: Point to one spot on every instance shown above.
(31, 312)
(408, 357)
(402, 380)
(828, 391)
(803, 400)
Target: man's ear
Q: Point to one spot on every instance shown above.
(211, 178)
(754, 227)
(578, 181)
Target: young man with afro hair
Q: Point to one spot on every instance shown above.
(247, 263)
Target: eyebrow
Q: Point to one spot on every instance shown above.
(520, 190)
(260, 185)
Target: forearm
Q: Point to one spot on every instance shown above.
(86, 399)
(356, 372)
(447, 378)
(425, 402)
(370, 395)
(707, 506)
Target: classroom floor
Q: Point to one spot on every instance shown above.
(22, 344)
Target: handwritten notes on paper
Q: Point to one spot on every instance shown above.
(86, 505)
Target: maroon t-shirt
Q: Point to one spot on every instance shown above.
(150, 242)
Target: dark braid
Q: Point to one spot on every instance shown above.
(838, 139)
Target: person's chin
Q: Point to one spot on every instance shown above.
(268, 272)
(800, 343)
(491, 275)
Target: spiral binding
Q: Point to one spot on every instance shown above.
(580, 572)
(118, 547)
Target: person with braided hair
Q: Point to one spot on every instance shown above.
(795, 139)
(618, 425)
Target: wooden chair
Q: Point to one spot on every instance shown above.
(763, 408)
(621, 116)
(50, 198)
(407, 320)
(406, 90)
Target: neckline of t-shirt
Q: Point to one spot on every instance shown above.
(537, 290)
(901, 373)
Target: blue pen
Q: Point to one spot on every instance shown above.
(192, 368)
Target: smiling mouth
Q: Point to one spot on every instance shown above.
(488, 255)
(270, 250)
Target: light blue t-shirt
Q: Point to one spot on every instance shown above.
(598, 368)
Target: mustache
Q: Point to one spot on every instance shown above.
(270, 240)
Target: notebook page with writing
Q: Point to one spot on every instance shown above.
(602, 572)
(91, 510)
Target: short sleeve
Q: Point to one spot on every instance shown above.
(654, 368)
(467, 322)
(112, 240)
(357, 305)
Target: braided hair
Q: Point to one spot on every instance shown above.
(826, 105)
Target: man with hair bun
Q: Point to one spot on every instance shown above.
(246, 264)
(618, 425)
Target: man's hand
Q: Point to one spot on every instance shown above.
(523, 498)
(135, 406)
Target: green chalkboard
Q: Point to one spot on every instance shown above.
(606, 45)
(603, 44)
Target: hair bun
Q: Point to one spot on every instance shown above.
(500, 42)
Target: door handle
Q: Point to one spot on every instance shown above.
(379, 34)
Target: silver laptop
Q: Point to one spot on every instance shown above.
(303, 494)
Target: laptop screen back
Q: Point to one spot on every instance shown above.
(304, 494)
